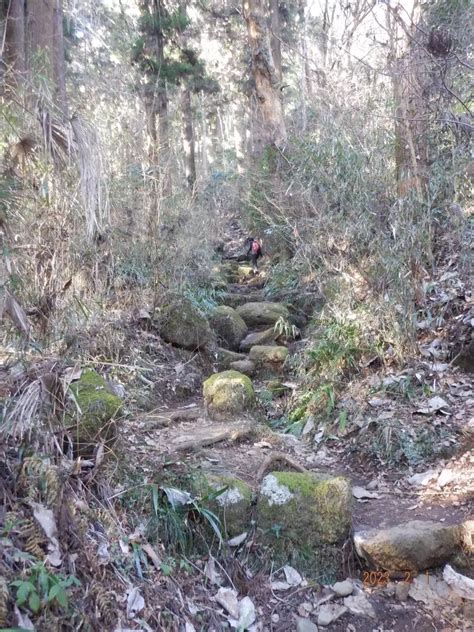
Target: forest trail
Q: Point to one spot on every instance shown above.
(184, 437)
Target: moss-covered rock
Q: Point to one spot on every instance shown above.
(225, 357)
(268, 354)
(262, 314)
(93, 412)
(277, 388)
(235, 299)
(267, 336)
(304, 518)
(233, 506)
(228, 393)
(229, 326)
(183, 325)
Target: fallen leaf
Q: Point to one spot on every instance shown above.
(247, 615)
(23, 620)
(135, 603)
(45, 518)
(292, 576)
(152, 554)
(227, 598)
(211, 573)
(360, 493)
(176, 497)
(237, 541)
(423, 478)
(434, 405)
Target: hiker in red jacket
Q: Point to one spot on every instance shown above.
(254, 252)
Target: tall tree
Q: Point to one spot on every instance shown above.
(270, 127)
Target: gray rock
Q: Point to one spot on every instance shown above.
(305, 625)
(247, 367)
(329, 613)
(401, 591)
(343, 589)
(228, 326)
(360, 606)
(262, 314)
(264, 337)
(184, 326)
(413, 546)
(225, 357)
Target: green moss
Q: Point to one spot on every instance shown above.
(308, 522)
(228, 392)
(94, 410)
(233, 507)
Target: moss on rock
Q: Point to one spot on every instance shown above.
(305, 517)
(183, 325)
(233, 506)
(268, 354)
(228, 393)
(229, 326)
(262, 314)
(93, 412)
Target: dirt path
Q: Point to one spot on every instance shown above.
(183, 435)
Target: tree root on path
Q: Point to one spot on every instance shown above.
(278, 457)
(226, 434)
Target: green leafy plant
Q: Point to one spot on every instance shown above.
(42, 589)
(177, 517)
(283, 328)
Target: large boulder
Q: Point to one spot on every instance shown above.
(225, 357)
(228, 326)
(183, 325)
(233, 506)
(413, 546)
(92, 412)
(262, 314)
(267, 336)
(304, 518)
(227, 394)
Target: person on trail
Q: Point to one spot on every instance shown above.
(254, 252)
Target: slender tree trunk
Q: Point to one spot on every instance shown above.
(272, 128)
(188, 137)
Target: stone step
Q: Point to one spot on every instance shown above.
(262, 314)
(267, 336)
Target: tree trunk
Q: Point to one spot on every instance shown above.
(15, 52)
(275, 38)
(271, 125)
(188, 137)
(40, 37)
(59, 66)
